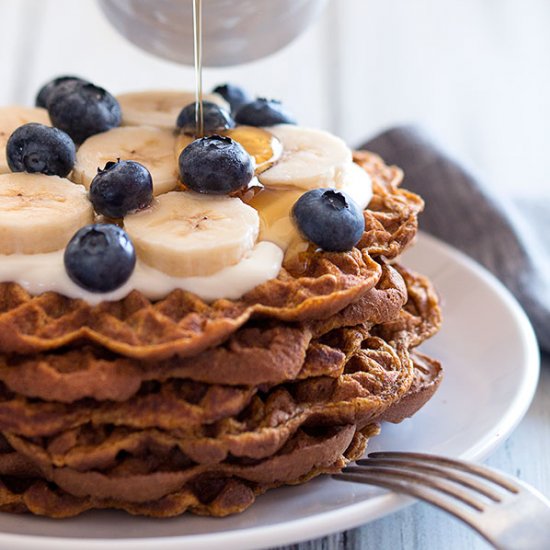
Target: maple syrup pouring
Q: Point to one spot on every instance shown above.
(197, 37)
(273, 207)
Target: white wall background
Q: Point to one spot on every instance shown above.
(476, 73)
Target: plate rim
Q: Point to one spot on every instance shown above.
(347, 516)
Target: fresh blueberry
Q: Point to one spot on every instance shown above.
(234, 95)
(216, 165)
(329, 218)
(100, 257)
(82, 109)
(215, 119)
(263, 112)
(49, 87)
(120, 188)
(37, 148)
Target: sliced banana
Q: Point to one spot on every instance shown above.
(40, 213)
(311, 158)
(159, 108)
(10, 119)
(152, 147)
(356, 182)
(185, 234)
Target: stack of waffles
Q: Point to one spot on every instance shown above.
(162, 407)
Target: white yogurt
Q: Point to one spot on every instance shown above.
(38, 273)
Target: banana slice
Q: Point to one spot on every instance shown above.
(40, 213)
(150, 146)
(159, 108)
(357, 183)
(10, 119)
(185, 234)
(311, 158)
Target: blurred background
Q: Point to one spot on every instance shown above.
(473, 73)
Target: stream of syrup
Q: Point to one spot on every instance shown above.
(197, 38)
(273, 206)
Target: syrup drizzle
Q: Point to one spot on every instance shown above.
(197, 38)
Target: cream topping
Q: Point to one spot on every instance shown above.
(38, 273)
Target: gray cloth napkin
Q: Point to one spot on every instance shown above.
(510, 240)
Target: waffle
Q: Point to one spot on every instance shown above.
(83, 471)
(86, 462)
(262, 353)
(312, 286)
(420, 318)
(24, 489)
(158, 408)
(291, 432)
(256, 431)
(428, 375)
(205, 495)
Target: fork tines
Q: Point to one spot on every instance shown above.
(509, 515)
(432, 478)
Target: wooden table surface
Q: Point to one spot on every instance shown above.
(526, 454)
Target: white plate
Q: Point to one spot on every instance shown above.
(491, 365)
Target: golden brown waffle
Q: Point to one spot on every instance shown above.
(164, 471)
(23, 489)
(292, 431)
(262, 353)
(258, 431)
(271, 441)
(140, 480)
(313, 286)
(182, 403)
(391, 217)
(165, 406)
(420, 318)
(158, 408)
(205, 495)
(428, 375)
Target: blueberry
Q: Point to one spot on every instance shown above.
(216, 165)
(49, 87)
(100, 257)
(214, 118)
(263, 112)
(120, 188)
(234, 95)
(37, 148)
(82, 109)
(329, 218)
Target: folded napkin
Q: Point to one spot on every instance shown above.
(510, 240)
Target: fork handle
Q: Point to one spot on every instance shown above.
(514, 534)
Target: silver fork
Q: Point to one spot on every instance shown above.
(508, 513)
